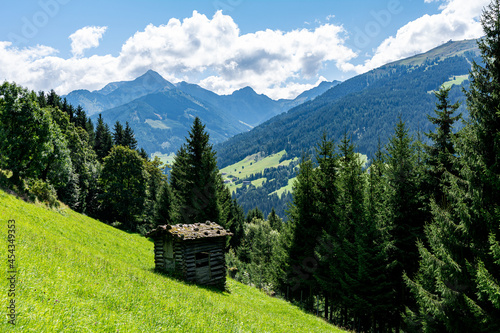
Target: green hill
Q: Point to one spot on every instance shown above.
(76, 274)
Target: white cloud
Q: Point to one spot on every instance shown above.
(211, 52)
(85, 38)
(458, 20)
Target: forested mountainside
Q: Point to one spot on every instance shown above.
(365, 106)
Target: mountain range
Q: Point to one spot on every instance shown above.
(365, 107)
(161, 113)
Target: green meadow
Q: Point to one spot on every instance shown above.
(76, 274)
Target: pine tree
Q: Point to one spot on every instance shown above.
(103, 139)
(118, 135)
(129, 139)
(352, 218)
(255, 213)
(164, 206)
(379, 243)
(306, 230)
(194, 178)
(404, 205)
(80, 118)
(89, 127)
(459, 284)
(274, 220)
(441, 152)
(327, 201)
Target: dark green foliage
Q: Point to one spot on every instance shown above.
(459, 283)
(128, 137)
(255, 213)
(366, 105)
(143, 154)
(275, 221)
(54, 100)
(249, 196)
(404, 209)
(163, 209)
(306, 229)
(118, 135)
(124, 184)
(103, 139)
(25, 133)
(441, 154)
(261, 258)
(195, 178)
(156, 191)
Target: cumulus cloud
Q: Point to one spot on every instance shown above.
(213, 53)
(458, 20)
(85, 38)
(208, 51)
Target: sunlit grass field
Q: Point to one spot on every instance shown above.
(76, 274)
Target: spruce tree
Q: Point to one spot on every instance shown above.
(327, 201)
(164, 206)
(103, 139)
(274, 220)
(404, 207)
(118, 134)
(441, 152)
(306, 230)
(379, 244)
(352, 274)
(194, 178)
(129, 139)
(459, 285)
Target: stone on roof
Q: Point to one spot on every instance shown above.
(190, 231)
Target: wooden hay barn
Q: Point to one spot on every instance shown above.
(194, 251)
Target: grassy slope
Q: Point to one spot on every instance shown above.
(79, 275)
(251, 165)
(455, 80)
(284, 189)
(254, 164)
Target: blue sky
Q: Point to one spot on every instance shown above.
(279, 48)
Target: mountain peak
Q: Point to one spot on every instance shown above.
(152, 77)
(245, 91)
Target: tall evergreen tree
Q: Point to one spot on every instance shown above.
(194, 178)
(89, 127)
(80, 118)
(404, 205)
(274, 220)
(328, 200)
(459, 286)
(306, 230)
(129, 139)
(164, 206)
(352, 218)
(103, 139)
(118, 134)
(441, 153)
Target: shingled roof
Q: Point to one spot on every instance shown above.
(190, 231)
